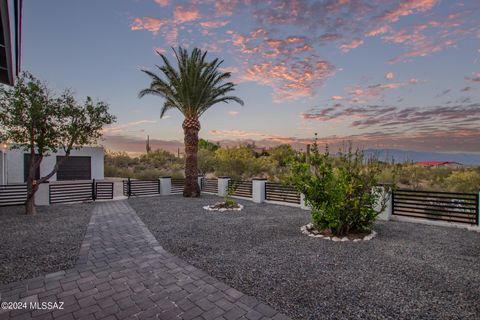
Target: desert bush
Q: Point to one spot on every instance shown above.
(241, 163)
(342, 190)
(149, 174)
(112, 171)
(207, 162)
(463, 181)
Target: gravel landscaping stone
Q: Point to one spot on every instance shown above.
(47, 242)
(408, 271)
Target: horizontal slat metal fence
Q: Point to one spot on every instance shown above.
(132, 188)
(71, 192)
(443, 206)
(210, 185)
(103, 190)
(13, 194)
(282, 193)
(241, 188)
(177, 185)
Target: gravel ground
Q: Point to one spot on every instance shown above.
(31, 246)
(410, 271)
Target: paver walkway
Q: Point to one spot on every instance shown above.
(123, 273)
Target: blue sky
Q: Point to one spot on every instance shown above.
(385, 74)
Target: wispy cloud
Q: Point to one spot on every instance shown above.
(235, 133)
(408, 7)
(148, 23)
(396, 119)
(162, 3)
(355, 43)
(184, 14)
(119, 128)
(213, 24)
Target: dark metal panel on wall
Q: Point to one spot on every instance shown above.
(75, 168)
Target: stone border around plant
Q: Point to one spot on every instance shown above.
(305, 230)
(209, 208)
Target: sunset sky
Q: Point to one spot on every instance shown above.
(381, 73)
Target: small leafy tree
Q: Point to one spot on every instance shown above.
(227, 198)
(342, 190)
(42, 123)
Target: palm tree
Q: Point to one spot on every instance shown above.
(192, 88)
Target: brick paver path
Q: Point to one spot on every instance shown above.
(123, 273)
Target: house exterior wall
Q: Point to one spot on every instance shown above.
(15, 164)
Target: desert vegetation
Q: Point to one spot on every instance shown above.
(247, 161)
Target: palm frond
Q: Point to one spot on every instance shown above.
(193, 86)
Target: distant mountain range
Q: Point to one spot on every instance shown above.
(468, 159)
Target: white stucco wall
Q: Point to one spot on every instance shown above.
(15, 168)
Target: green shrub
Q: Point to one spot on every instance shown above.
(342, 190)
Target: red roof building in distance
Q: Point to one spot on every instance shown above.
(438, 164)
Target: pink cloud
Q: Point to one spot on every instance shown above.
(184, 14)
(355, 43)
(424, 39)
(379, 30)
(407, 36)
(336, 97)
(423, 49)
(408, 7)
(389, 76)
(230, 69)
(290, 81)
(225, 7)
(399, 120)
(233, 113)
(213, 24)
(150, 24)
(171, 36)
(360, 94)
(162, 3)
(159, 50)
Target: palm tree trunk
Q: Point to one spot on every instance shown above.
(191, 188)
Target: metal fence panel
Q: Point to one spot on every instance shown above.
(71, 192)
(241, 188)
(442, 206)
(104, 190)
(13, 194)
(278, 192)
(177, 185)
(141, 187)
(210, 185)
